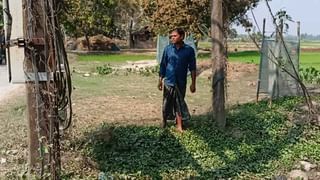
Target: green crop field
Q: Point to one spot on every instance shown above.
(307, 59)
(245, 46)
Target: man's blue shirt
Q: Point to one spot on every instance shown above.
(175, 64)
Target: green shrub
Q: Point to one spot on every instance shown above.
(310, 75)
(105, 69)
(145, 71)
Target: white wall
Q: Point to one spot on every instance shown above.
(16, 54)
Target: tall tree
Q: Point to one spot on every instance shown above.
(193, 14)
(127, 17)
(88, 17)
(113, 18)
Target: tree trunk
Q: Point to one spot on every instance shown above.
(88, 41)
(218, 62)
(131, 40)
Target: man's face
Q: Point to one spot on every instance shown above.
(175, 37)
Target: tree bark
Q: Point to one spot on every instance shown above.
(218, 64)
(36, 112)
(88, 41)
(40, 59)
(130, 37)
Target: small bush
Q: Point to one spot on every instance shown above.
(310, 75)
(148, 71)
(145, 71)
(105, 69)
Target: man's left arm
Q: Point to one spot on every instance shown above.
(193, 70)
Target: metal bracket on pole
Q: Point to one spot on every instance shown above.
(21, 42)
(36, 41)
(42, 76)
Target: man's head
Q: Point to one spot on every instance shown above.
(177, 36)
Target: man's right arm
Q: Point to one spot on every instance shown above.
(162, 72)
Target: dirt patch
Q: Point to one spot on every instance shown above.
(310, 49)
(13, 137)
(241, 80)
(145, 110)
(139, 64)
(116, 109)
(234, 70)
(10, 91)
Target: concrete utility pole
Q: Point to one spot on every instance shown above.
(36, 86)
(218, 62)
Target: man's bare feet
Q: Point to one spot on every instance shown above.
(179, 123)
(164, 124)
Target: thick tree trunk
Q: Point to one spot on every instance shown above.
(130, 35)
(218, 62)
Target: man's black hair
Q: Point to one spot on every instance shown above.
(180, 31)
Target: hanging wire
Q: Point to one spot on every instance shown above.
(255, 20)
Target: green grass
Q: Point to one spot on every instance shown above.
(245, 56)
(307, 59)
(259, 142)
(232, 45)
(310, 59)
(115, 57)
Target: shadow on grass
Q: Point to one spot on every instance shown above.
(256, 136)
(140, 152)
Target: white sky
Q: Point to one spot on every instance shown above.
(305, 11)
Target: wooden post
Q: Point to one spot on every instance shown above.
(35, 62)
(299, 42)
(298, 54)
(218, 62)
(41, 38)
(261, 59)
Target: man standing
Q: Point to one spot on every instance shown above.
(177, 59)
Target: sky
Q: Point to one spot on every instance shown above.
(305, 11)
